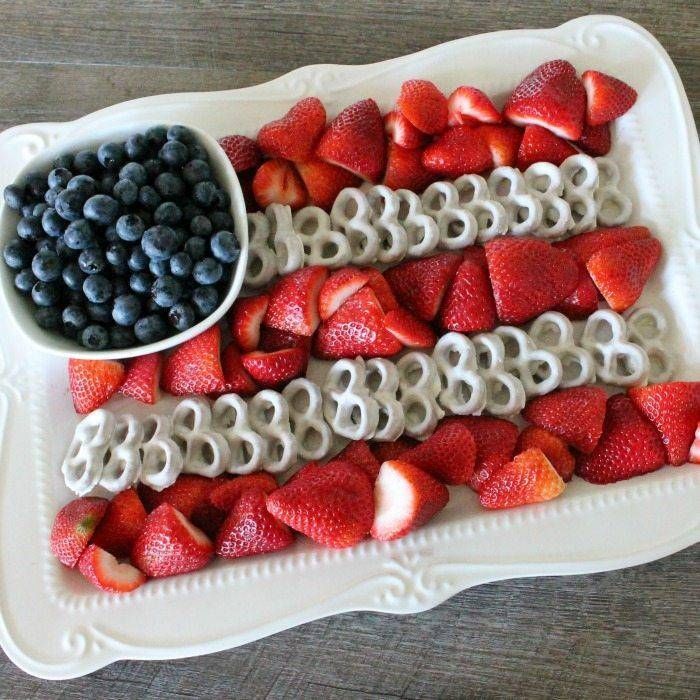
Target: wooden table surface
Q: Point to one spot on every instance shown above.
(630, 633)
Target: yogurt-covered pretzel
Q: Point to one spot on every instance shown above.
(268, 414)
(507, 186)
(422, 230)
(491, 216)
(382, 380)
(262, 261)
(322, 245)
(457, 226)
(289, 248)
(614, 207)
(544, 181)
(314, 437)
(162, 458)
(247, 448)
(351, 215)
(579, 174)
(384, 211)
(648, 327)
(124, 465)
(419, 387)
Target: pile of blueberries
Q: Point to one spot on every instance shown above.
(126, 245)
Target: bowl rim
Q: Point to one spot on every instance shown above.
(54, 344)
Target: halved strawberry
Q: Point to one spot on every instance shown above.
(540, 144)
(384, 451)
(432, 276)
(583, 301)
(470, 106)
(272, 339)
(457, 151)
(277, 181)
(553, 447)
(339, 287)
(103, 570)
(405, 169)
(551, 96)
(93, 382)
(358, 453)
(694, 453)
(246, 316)
(226, 494)
(73, 527)
(378, 284)
(529, 478)
(423, 105)
(188, 493)
(405, 497)
(324, 181)
(238, 381)
(586, 244)
(595, 140)
(408, 330)
(243, 152)
(194, 367)
(402, 132)
(271, 370)
(503, 140)
(142, 380)
(354, 140)
(607, 98)
(121, 524)
(294, 136)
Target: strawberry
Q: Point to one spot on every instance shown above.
(423, 105)
(169, 544)
(402, 132)
(539, 144)
(237, 380)
(405, 169)
(354, 140)
(576, 415)
(529, 478)
(405, 498)
(293, 303)
(277, 181)
(449, 454)
(142, 380)
(339, 287)
(528, 276)
(608, 98)
(272, 339)
(503, 140)
(583, 301)
(671, 407)
(385, 451)
(121, 524)
(295, 135)
(468, 305)
(432, 276)
(586, 244)
(358, 453)
(409, 330)
(188, 493)
(457, 151)
(308, 469)
(356, 328)
(324, 181)
(226, 494)
(251, 529)
(271, 370)
(103, 570)
(243, 152)
(246, 316)
(694, 453)
(477, 255)
(470, 106)
(620, 272)
(332, 504)
(93, 382)
(551, 96)
(553, 448)
(595, 140)
(629, 445)
(194, 367)
(378, 284)
(73, 527)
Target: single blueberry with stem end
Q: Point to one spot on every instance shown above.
(95, 337)
(151, 329)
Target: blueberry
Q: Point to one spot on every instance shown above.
(190, 210)
(177, 132)
(79, 235)
(141, 282)
(130, 227)
(221, 221)
(64, 161)
(46, 293)
(39, 209)
(151, 329)
(69, 204)
(170, 185)
(174, 154)
(102, 313)
(73, 276)
(182, 316)
(196, 247)
(59, 177)
(17, 254)
(117, 254)
(181, 265)
(136, 147)
(126, 309)
(48, 317)
(126, 192)
(121, 337)
(134, 172)
(36, 185)
(29, 228)
(207, 271)
(74, 318)
(138, 260)
(200, 226)
(92, 260)
(111, 155)
(153, 167)
(203, 193)
(158, 268)
(63, 251)
(51, 194)
(52, 223)
(14, 197)
(224, 246)
(196, 171)
(197, 152)
(102, 209)
(86, 185)
(107, 184)
(25, 280)
(95, 337)
(156, 136)
(149, 198)
(159, 242)
(205, 300)
(46, 266)
(97, 289)
(86, 163)
(168, 213)
(221, 200)
(27, 210)
(166, 291)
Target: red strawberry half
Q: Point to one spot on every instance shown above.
(384, 451)
(275, 369)
(503, 140)
(142, 380)
(595, 140)
(470, 106)
(272, 339)
(583, 301)
(423, 105)
(378, 284)
(586, 244)
(324, 181)
(243, 152)
(338, 288)
(402, 132)
(225, 495)
(187, 494)
(236, 378)
(358, 453)
(405, 169)
(553, 447)
(246, 317)
(457, 151)
(539, 144)
(409, 330)
(276, 181)
(103, 570)
(73, 527)
(93, 382)
(121, 524)
(608, 98)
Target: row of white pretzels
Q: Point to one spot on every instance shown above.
(377, 224)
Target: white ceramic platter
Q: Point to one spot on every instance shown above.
(54, 625)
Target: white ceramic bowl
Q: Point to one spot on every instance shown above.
(21, 308)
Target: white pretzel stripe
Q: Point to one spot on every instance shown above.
(647, 326)
(491, 217)
(268, 414)
(351, 215)
(384, 212)
(247, 448)
(288, 246)
(507, 186)
(457, 226)
(419, 387)
(162, 458)
(580, 174)
(422, 230)
(322, 245)
(262, 261)
(382, 380)
(124, 465)
(314, 437)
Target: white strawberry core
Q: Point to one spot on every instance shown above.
(394, 502)
(110, 571)
(194, 532)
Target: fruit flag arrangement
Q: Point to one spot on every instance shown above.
(385, 490)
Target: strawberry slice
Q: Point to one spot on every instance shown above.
(354, 140)
(188, 493)
(237, 380)
(528, 277)
(385, 451)
(226, 494)
(432, 276)
(553, 448)
(272, 339)
(539, 144)
(405, 169)
(295, 135)
(142, 379)
(529, 478)
(243, 152)
(551, 96)
(405, 498)
(271, 370)
(103, 570)
(338, 288)
(251, 529)
(608, 98)
(246, 316)
(503, 140)
(457, 151)
(121, 524)
(694, 453)
(331, 504)
(586, 244)
(402, 132)
(356, 328)
(378, 284)
(93, 382)
(423, 105)
(73, 527)
(672, 408)
(595, 140)
(358, 453)
(276, 181)
(583, 301)
(576, 415)
(324, 181)
(630, 445)
(620, 272)
(470, 106)
(408, 330)
(194, 367)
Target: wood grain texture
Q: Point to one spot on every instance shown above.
(631, 633)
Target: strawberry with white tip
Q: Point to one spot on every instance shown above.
(402, 132)
(104, 571)
(271, 370)
(277, 181)
(408, 330)
(470, 106)
(246, 316)
(338, 288)
(608, 98)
